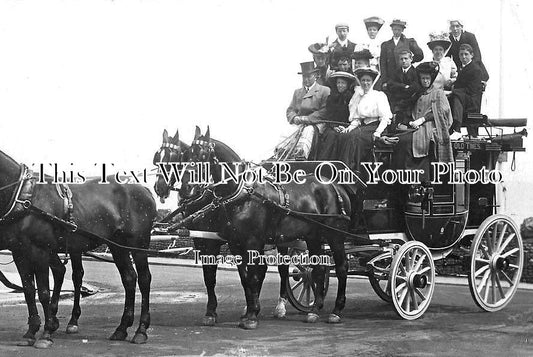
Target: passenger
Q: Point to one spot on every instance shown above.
(308, 106)
(403, 87)
(362, 59)
(342, 61)
(459, 37)
(431, 117)
(466, 92)
(341, 43)
(439, 44)
(369, 116)
(337, 111)
(321, 56)
(391, 49)
(373, 25)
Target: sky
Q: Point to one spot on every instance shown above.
(97, 81)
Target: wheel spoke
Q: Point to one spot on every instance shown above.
(500, 238)
(484, 251)
(481, 270)
(424, 270)
(507, 241)
(482, 260)
(502, 293)
(408, 303)
(483, 282)
(402, 296)
(487, 287)
(301, 295)
(514, 266)
(400, 287)
(413, 299)
(506, 277)
(493, 287)
(419, 262)
(511, 252)
(419, 293)
(297, 285)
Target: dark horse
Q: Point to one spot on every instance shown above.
(122, 214)
(174, 151)
(250, 220)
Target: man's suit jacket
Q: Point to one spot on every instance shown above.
(469, 38)
(403, 99)
(311, 104)
(389, 62)
(468, 87)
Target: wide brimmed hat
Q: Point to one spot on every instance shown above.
(363, 54)
(340, 54)
(432, 68)
(359, 72)
(318, 48)
(340, 25)
(460, 22)
(374, 21)
(341, 74)
(308, 68)
(439, 39)
(398, 22)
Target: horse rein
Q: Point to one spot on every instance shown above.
(25, 174)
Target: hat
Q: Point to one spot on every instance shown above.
(432, 68)
(359, 72)
(397, 22)
(341, 74)
(363, 54)
(439, 39)
(318, 48)
(308, 68)
(342, 25)
(460, 22)
(374, 21)
(339, 54)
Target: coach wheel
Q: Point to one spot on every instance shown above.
(380, 267)
(300, 285)
(412, 280)
(497, 260)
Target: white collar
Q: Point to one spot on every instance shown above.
(342, 43)
(312, 86)
(396, 40)
(406, 69)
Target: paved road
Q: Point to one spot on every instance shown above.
(453, 325)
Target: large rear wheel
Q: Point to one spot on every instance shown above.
(497, 260)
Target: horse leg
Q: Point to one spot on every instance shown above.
(41, 266)
(317, 273)
(58, 272)
(144, 279)
(129, 280)
(243, 273)
(26, 276)
(255, 277)
(210, 281)
(283, 269)
(77, 278)
(341, 269)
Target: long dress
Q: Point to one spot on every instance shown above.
(369, 113)
(336, 111)
(414, 149)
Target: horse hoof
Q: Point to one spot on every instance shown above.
(209, 321)
(280, 314)
(41, 344)
(249, 325)
(312, 318)
(72, 329)
(26, 342)
(139, 338)
(334, 319)
(118, 336)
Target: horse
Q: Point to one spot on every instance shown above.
(173, 150)
(119, 214)
(253, 216)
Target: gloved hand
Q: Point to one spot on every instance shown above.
(416, 123)
(348, 129)
(387, 140)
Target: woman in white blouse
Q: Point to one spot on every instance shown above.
(369, 116)
(373, 25)
(439, 45)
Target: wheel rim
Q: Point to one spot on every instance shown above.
(301, 287)
(496, 263)
(380, 267)
(412, 280)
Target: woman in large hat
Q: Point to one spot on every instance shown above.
(439, 44)
(369, 116)
(337, 112)
(373, 25)
(431, 120)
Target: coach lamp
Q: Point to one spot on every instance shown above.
(422, 194)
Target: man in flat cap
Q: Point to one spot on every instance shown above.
(458, 37)
(389, 60)
(341, 43)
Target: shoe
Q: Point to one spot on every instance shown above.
(455, 136)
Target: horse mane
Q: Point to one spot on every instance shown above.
(229, 150)
(7, 157)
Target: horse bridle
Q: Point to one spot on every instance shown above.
(175, 149)
(25, 174)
